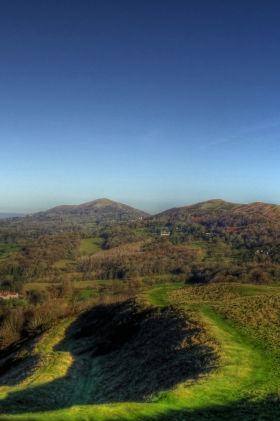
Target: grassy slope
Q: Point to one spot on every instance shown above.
(245, 371)
(242, 359)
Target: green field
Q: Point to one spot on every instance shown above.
(7, 250)
(242, 386)
(89, 246)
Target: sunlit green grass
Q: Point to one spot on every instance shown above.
(90, 246)
(86, 294)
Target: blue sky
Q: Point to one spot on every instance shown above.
(152, 103)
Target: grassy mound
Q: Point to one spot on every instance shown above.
(130, 361)
(121, 352)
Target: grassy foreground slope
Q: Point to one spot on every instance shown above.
(245, 320)
(242, 384)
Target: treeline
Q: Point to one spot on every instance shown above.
(229, 272)
(116, 235)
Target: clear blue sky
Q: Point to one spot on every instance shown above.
(154, 103)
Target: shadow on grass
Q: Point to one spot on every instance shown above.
(121, 353)
(17, 362)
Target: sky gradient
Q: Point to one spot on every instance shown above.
(152, 103)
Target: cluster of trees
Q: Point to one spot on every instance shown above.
(21, 322)
(36, 311)
(154, 257)
(36, 258)
(116, 235)
(245, 273)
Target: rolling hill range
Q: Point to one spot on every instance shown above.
(211, 213)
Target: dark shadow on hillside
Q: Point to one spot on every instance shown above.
(121, 353)
(17, 362)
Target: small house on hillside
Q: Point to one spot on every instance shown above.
(8, 295)
(165, 232)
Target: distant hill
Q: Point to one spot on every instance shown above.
(5, 215)
(219, 212)
(185, 213)
(99, 210)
